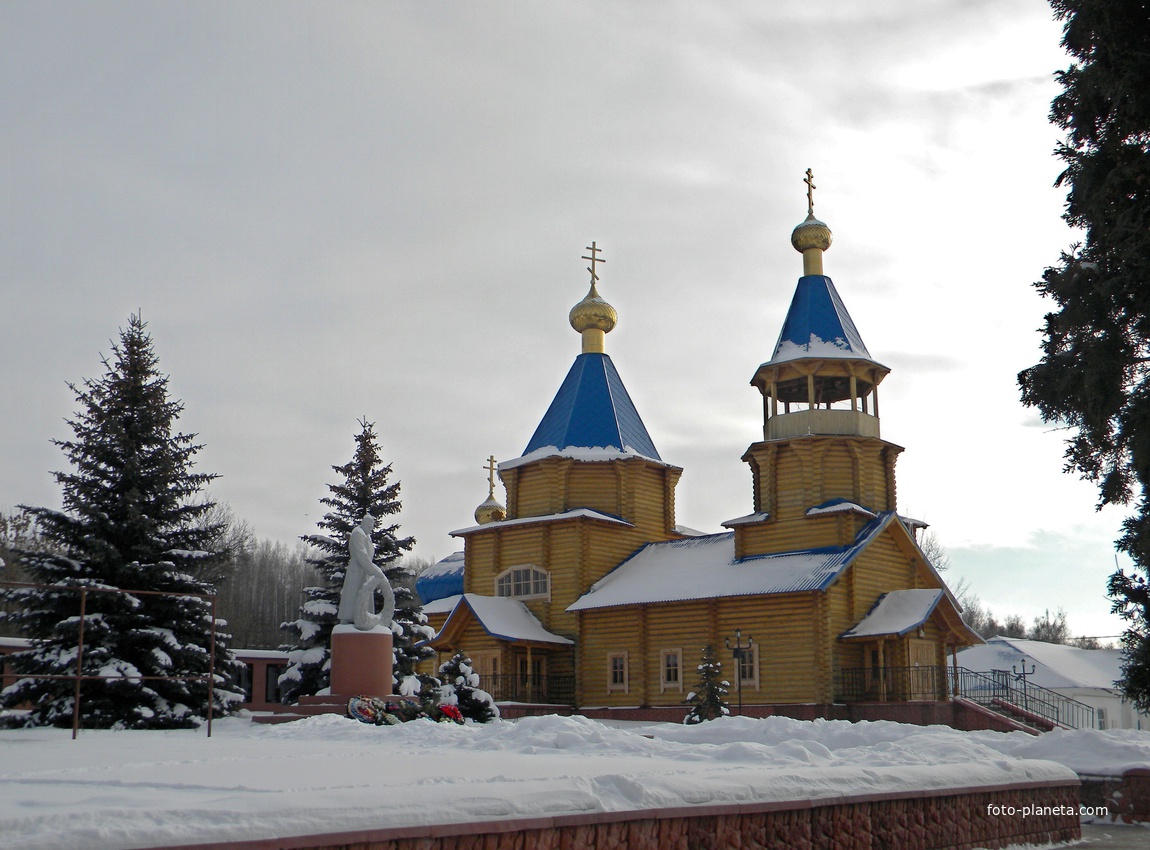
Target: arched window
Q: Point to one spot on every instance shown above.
(524, 582)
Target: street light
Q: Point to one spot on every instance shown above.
(737, 650)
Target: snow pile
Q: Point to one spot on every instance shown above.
(329, 774)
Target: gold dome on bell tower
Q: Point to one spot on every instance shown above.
(593, 318)
(812, 237)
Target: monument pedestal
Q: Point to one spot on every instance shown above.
(361, 662)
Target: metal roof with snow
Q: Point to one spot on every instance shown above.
(818, 324)
(897, 612)
(706, 568)
(501, 617)
(592, 409)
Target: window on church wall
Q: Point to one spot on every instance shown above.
(524, 582)
(748, 666)
(617, 674)
(671, 670)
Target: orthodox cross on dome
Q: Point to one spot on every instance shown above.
(810, 181)
(490, 467)
(594, 258)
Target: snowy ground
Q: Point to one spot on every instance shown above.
(325, 774)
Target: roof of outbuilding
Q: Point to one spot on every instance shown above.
(591, 410)
(501, 617)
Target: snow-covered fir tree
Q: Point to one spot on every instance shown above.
(363, 489)
(461, 688)
(709, 700)
(132, 520)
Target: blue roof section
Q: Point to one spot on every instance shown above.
(442, 579)
(592, 409)
(818, 324)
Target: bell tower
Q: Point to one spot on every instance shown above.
(821, 470)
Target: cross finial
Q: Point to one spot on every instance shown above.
(490, 467)
(594, 258)
(810, 181)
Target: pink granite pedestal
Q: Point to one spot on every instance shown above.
(361, 662)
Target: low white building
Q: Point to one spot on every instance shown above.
(1085, 675)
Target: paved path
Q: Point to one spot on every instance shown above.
(1109, 837)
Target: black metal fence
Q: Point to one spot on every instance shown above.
(550, 690)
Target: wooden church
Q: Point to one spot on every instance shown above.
(584, 591)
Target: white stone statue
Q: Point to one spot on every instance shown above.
(363, 578)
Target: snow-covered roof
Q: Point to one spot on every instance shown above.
(592, 408)
(575, 513)
(1055, 665)
(592, 454)
(706, 568)
(762, 516)
(270, 654)
(897, 613)
(443, 578)
(687, 531)
(504, 618)
(442, 606)
(818, 325)
(840, 506)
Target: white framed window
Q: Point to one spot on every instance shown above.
(670, 670)
(618, 676)
(526, 581)
(747, 664)
(1100, 715)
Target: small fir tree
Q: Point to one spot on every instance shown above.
(461, 688)
(363, 489)
(710, 700)
(132, 521)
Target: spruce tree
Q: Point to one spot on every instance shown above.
(709, 700)
(363, 489)
(461, 688)
(131, 521)
(1093, 378)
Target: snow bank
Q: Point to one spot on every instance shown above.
(324, 774)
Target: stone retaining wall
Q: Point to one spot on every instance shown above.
(951, 818)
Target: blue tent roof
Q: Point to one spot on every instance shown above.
(592, 409)
(442, 579)
(818, 324)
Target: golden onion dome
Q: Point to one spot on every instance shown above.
(593, 313)
(490, 511)
(812, 233)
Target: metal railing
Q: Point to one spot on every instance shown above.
(998, 690)
(1006, 693)
(551, 690)
(891, 684)
(78, 677)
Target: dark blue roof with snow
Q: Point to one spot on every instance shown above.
(591, 410)
(818, 324)
(442, 579)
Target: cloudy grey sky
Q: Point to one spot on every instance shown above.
(326, 212)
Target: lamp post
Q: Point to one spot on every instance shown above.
(1022, 675)
(737, 651)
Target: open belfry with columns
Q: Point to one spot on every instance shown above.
(584, 591)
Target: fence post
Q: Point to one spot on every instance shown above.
(79, 664)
